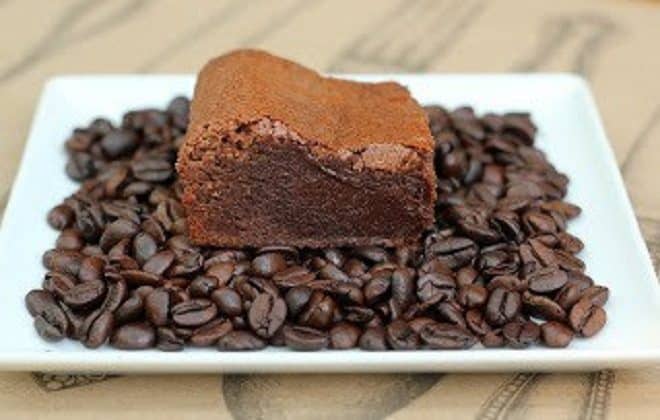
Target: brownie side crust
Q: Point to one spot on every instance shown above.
(298, 193)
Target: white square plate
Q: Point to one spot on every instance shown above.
(570, 131)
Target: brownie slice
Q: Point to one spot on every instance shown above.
(277, 154)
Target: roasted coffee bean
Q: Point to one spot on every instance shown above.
(47, 330)
(434, 287)
(157, 307)
(92, 269)
(63, 261)
(508, 282)
(466, 275)
(130, 310)
(116, 231)
(503, 305)
(266, 315)
(85, 296)
(304, 338)
(319, 311)
(556, 334)
(598, 295)
(543, 307)
(61, 217)
(455, 252)
(293, 276)
(119, 143)
(472, 296)
(519, 335)
(547, 280)
(159, 262)
(80, 166)
(58, 283)
(268, 264)
(152, 170)
(167, 340)
(134, 336)
(373, 338)
(53, 323)
(144, 247)
(194, 313)
(117, 292)
(376, 289)
(100, 330)
(344, 336)
(440, 335)
(222, 271)
(418, 323)
(209, 334)
(202, 286)
(402, 288)
(400, 336)
(586, 318)
(70, 240)
(228, 301)
(475, 321)
(239, 340)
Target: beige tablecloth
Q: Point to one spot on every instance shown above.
(616, 45)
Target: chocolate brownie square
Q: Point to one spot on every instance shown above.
(277, 154)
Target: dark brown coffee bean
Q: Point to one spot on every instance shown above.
(466, 275)
(46, 330)
(159, 262)
(268, 264)
(91, 269)
(568, 261)
(373, 338)
(85, 296)
(63, 261)
(402, 288)
(433, 287)
(455, 252)
(152, 170)
(69, 239)
(157, 307)
(80, 166)
(228, 301)
(60, 217)
(144, 247)
(556, 334)
(266, 315)
(202, 286)
(137, 278)
(570, 243)
(503, 306)
(440, 335)
(130, 310)
(100, 330)
(194, 313)
(569, 211)
(475, 322)
(116, 231)
(508, 282)
(400, 336)
(598, 295)
(134, 336)
(547, 280)
(304, 338)
(54, 322)
(376, 289)
(239, 340)
(418, 323)
(472, 296)
(210, 333)
(222, 271)
(293, 276)
(318, 312)
(519, 335)
(168, 340)
(586, 318)
(344, 336)
(119, 143)
(543, 307)
(58, 283)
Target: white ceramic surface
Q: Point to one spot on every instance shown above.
(570, 131)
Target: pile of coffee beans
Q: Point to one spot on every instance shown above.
(499, 268)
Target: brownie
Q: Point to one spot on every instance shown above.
(277, 154)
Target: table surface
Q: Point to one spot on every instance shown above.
(614, 44)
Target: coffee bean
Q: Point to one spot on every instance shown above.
(152, 170)
(210, 333)
(344, 336)
(587, 318)
(475, 322)
(440, 335)
(304, 338)
(116, 231)
(194, 313)
(167, 340)
(376, 289)
(598, 295)
(556, 334)
(60, 217)
(144, 247)
(318, 312)
(202, 286)
(85, 296)
(222, 271)
(433, 287)
(472, 296)
(268, 264)
(130, 310)
(69, 239)
(100, 330)
(466, 275)
(63, 261)
(53, 323)
(503, 305)
(228, 301)
(58, 283)
(157, 307)
(266, 315)
(46, 330)
(134, 336)
(239, 340)
(373, 338)
(400, 336)
(519, 335)
(159, 262)
(547, 280)
(119, 143)
(141, 278)
(454, 252)
(543, 307)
